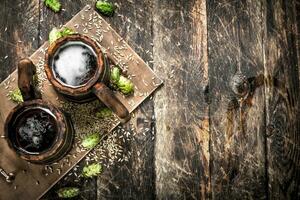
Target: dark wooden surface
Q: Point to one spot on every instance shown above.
(196, 139)
(237, 122)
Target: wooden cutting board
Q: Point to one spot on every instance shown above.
(32, 181)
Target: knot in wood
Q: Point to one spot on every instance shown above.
(239, 85)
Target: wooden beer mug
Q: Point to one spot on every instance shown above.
(77, 68)
(35, 129)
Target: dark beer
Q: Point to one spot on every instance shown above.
(35, 130)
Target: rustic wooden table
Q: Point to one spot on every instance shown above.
(225, 122)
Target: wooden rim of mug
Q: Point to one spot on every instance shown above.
(59, 138)
(85, 88)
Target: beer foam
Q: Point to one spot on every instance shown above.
(74, 64)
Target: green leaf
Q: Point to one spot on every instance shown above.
(92, 170)
(104, 113)
(115, 75)
(53, 5)
(106, 8)
(56, 34)
(66, 31)
(16, 96)
(125, 85)
(68, 192)
(91, 141)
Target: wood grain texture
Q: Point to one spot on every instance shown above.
(296, 9)
(18, 32)
(182, 138)
(49, 20)
(282, 102)
(136, 66)
(134, 179)
(237, 122)
(196, 139)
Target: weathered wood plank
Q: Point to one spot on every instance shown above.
(18, 32)
(49, 20)
(34, 172)
(237, 99)
(182, 138)
(235, 33)
(18, 37)
(282, 99)
(135, 178)
(139, 172)
(297, 19)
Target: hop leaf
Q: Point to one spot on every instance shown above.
(68, 192)
(16, 96)
(53, 5)
(92, 170)
(106, 8)
(56, 34)
(125, 85)
(91, 141)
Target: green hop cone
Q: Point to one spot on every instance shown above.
(91, 170)
(106, 8)
(91, 141)
(104, 113)
(68, 192)
(115, 75)
(66, 31)
(120, 82)
(16, 96)
(56, 34)
(125, 85)
(53, 5)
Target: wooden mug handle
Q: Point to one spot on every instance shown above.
(111, 101)
(26, 72)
